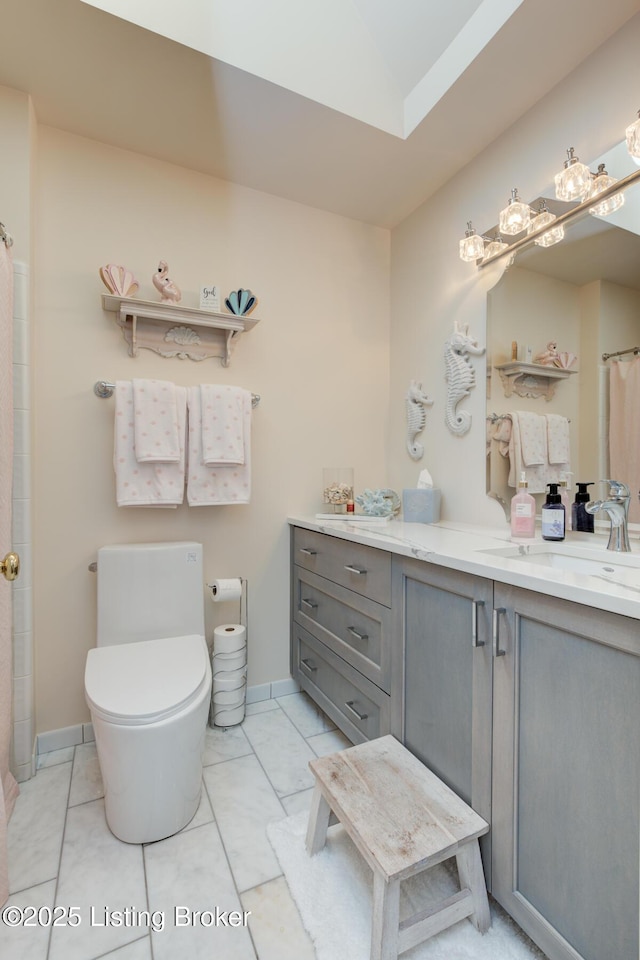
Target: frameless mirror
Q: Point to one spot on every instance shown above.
(584, 295)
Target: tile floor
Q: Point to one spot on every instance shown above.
(62, 854)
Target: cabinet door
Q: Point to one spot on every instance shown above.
(566, 775)
(446, 619)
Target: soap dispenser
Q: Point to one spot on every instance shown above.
(580, 518)
(564, 484)
(523, 512)
(553, 516)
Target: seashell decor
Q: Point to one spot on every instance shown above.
(565, 360)
(119, 280)
(241, 302)
(379, 503)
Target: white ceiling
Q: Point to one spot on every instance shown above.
(353, 106)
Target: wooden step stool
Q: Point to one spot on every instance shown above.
(403, 820)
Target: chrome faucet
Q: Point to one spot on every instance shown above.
(617, 509)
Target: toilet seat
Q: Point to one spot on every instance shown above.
(146, 681)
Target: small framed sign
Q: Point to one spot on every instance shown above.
(210, 297)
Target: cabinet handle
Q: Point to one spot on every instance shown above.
(309, 664)
(358, 636)
(309, 603)
(351, 569)
(497, 652)
(361, 716)
(307, 552)
(474, 623)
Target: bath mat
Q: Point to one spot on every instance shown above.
(333, 891)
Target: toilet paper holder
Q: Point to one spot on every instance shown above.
(217, 589)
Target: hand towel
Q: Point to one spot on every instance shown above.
(536, 473)
(145, 484)
(222, 423)
(156, 436)
(216, 484)
(558, 440)
(532, 438)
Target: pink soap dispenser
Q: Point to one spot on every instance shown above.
(523, 512)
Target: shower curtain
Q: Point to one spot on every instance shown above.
(624, 428)
(8, 786)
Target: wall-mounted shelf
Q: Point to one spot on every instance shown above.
(175, 331)
(531, 379)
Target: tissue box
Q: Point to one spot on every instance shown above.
(421, 506)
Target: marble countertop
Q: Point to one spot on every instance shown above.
(462, 547)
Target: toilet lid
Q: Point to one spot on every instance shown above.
(147, 680)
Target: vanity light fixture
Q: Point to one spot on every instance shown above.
(602, 181)
(516, 215)
(633, 140)
(472, 247)
(574, 182)
(495, 245)
(543, 218)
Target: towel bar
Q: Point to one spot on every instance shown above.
(104, 389)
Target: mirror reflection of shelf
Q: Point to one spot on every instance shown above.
(168, 328)
(531, 379)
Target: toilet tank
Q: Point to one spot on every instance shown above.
(147, 591)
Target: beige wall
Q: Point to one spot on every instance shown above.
(319, 359)
(431, 287)
(17, 124)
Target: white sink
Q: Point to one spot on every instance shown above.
(620, 568)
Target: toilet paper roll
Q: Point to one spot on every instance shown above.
(223, 715)
(226, 589)
(229, 638)
(226, 662)
(229, 681)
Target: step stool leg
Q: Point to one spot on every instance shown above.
(318, 822)
(472, 876)
(386, 918)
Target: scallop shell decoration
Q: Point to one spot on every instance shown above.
(119, 280)
(565, 360)
(241, 302)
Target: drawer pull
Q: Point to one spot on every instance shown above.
(357, 570)
(361, 716)
(309, 603)
(358, 636)
(309, 664)
(474, 623)
(307, 552)
(497, 652)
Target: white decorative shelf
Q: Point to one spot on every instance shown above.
(175, 331)
(531, 379)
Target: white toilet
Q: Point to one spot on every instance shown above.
(148, 686)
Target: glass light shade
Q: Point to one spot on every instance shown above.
(633, 139)
(515, 217)
(549, 237)
(574, 183)
(472, 247)
(495, 246)
(600, 182)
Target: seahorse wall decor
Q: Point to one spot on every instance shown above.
(416, 401)
(460, 377)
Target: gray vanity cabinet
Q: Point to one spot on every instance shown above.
(566, 774)
(444, 621)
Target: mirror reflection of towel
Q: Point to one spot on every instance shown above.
(558, 438)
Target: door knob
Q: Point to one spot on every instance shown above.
(10, 566)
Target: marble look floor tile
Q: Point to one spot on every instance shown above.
(36, 827)
(27, 943)
(275, 923)
(138, 950)
(54, 757)
(260, 706)
(225, 743)
(244, 803)
(97, 871)
(330, 742)
(282, 751)
(188, 877)
(86, 779)
(305, 715)
(297, 801)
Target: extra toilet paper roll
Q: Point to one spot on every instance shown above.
(229, 638)
(229, 662)
(226, 589)
(229, 681)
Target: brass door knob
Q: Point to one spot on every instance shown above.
(10, 566)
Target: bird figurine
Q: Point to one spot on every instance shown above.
(169, 291)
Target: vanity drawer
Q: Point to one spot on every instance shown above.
(357, 706)
(354, 627)
(366, 570)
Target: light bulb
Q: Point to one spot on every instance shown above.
(633, 139)
(472, 247)
(543, 219)
(574, 182)
(515, 217)
(600, 182)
